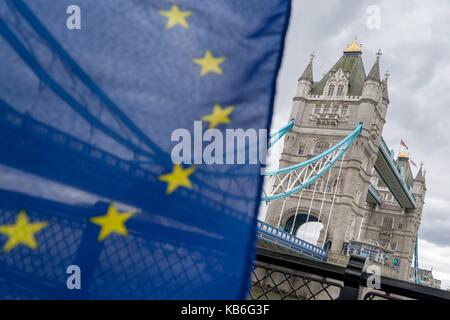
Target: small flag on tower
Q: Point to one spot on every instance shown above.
(403, 144)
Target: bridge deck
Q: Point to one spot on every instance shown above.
(373, 196)
(390, 173)
(279, 240)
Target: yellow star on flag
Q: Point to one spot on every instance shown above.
(218, 116)
(176, 17)
(179, 177)
(209, 64)
(22, 232)
(113, 222)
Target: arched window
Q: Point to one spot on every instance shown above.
(387, 223)
(340, 90)
(344, 111)
(321, 146)
(335, 185)
(331, 90)
(301, 149)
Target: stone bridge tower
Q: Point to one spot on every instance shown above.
(392, 227)
(325, 112)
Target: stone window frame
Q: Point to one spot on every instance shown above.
(330, 92)
(391, 226)
(324, 145)
(301, 149)
(339, 78)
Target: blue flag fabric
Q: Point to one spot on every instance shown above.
(91, 204)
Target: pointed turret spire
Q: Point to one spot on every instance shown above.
(421, 174)
(374, 73)
(308, 73)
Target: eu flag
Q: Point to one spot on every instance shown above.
(92, 204)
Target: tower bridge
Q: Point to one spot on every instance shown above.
(336, 169)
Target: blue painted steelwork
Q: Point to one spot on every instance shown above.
(350, 138)
(345, 144)
(285, 239)
(236, 172)
(274, 137)
(386, 154)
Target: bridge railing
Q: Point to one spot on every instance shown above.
(373, 252)
(286, 239)
(282, 276)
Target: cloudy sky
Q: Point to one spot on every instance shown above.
(414, 39)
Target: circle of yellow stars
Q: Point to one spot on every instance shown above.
(23, 232)
(209, 64)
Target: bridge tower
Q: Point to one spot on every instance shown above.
(393, 227)
(324, 113)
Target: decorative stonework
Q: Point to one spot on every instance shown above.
(329, 114)
(375, 131)
(337, 85)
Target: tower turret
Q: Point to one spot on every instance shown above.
(304, 86)
(374, 73)
(385, 88)
(305, 82)
(420, 188)
(372, 85)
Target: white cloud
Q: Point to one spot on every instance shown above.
(438, 258)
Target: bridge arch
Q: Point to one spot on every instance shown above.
(299, 221)
(302, 216)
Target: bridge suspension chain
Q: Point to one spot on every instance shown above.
(292, 179)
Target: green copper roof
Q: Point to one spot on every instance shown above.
(352, 63)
